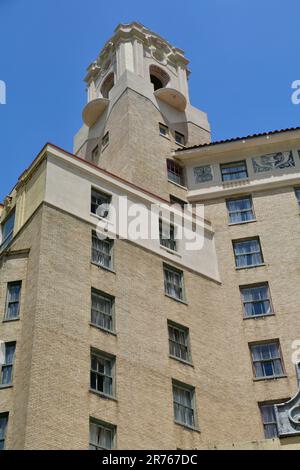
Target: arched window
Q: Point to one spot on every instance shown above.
(107, 85)
(158, 77)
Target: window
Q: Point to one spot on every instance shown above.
(100, 203)
(7, 368)
(102, 251)
(176, 201)
(269, 420)
(297, 192)
(107, 85)
(102, 373)
(173, 282)
(256, 300)
(3, 428)
(184, 404)
(102, 435)
(167, 235)
(179, 342)
(12, 310)
(267, 360)
(247, 253)
(163, 130)
(105, 140)
(7, 230)
(298, 373)
(175, 172)
(240, 210)
(95, 154)
(234, 171)
(102, 314)
(179, 138)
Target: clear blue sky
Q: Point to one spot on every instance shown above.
(244, 56)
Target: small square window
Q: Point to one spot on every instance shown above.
(100, 203)
(256, 300)
(6, 369)
(248, 253)
(179, 343)
(234, 171)
(163, 130)
(102, 373)
(3, 428)
(175, 172)
(184, 404)
(102, 311)
(105, 140)
(102, 251)
(167, 235)
(179, 138)
(267, 360)
(102, 435)
(173, 282)
(240, 210)
(12, 310)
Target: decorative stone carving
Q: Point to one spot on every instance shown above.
(273, 161)
(288, 417)
(203, 174)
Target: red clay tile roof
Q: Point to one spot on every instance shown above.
(236, 139)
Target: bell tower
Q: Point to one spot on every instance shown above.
(138, 109)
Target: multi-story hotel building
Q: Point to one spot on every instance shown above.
(146, 343)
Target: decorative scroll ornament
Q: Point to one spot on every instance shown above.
(203, 174)
(273, 161)
(288, 417)
(159, 50)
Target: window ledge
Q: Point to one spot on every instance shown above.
(165, 137)
(10, 320)
(188, 363)
(250, 267)
(3, 387)
(110, 270)
(172, 252)
(103, 219)
(266, 379)
(230, 224)
(103, 147)
(257, 317)
(177, 300)
(178, 185)
(103, 395)
(186, 426)
(103, 329)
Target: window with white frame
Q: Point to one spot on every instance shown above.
(12, 310)
(167, 235)
(234, 171)
(179, 138)
(7, 230)
(175, 172)
(267, 360)
(102, 251)
(102, 435)
(163, 130)
(6, 369)
(100, 203)
(102, 373)
(3, 428)
(256, 300)
(173, 282)
(179, 343)
(240, 210)
(269, 420)
(184, 404)
(248, 253)
(102, 312)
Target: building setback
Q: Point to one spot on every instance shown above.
(121, 343)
